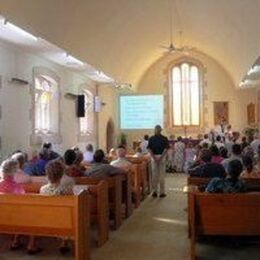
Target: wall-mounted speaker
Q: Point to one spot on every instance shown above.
(81, 106)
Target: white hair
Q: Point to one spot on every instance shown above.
(9, 167)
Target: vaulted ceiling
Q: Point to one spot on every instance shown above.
(122, 37)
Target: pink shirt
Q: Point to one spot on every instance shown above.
(8, 185)
(217, 159)
(21, 177)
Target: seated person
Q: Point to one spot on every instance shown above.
(51, 154)
(121, 161)
(89, 153)
(218, 142)
(78, 162)
(20, 176)
(235, 155)
(223, 152)
(99, 169)
(250, 171)
(230, 184)
(112, 154)
(8, 184)
(216, 157)
(55, 171)
(138, 153)
(41, 162)
(208, 169)
(71, 169)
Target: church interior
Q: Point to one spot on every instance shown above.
(97, 79)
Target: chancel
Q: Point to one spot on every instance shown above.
(129, 129)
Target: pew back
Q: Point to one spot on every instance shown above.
(40, 215)
(223, 214)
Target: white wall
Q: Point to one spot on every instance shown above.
(15, 101)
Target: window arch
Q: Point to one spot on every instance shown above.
(45, 106)
(86, 124)
(185, 94)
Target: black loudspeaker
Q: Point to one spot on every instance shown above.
(81, 106)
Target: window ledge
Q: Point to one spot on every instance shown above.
(39, 138)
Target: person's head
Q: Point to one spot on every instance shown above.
(112, 152)
(75, 148)
(9, 167)
(247, 162)
(235, 167)
(70, 157)
(47, 145)
(179, 138)
(157, 129)
(54, 171)
(20, 157)
(236, 149)
(205, 155)
(89, 148)
(223, 152)
(146, 137)
(214, 150)
(244, 139)
(99, 156)
(121, 151)
(206, 136)
(218, 138)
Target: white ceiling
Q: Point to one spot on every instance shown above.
(121, 37)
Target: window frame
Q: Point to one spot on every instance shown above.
(201, 70)
(38, 137)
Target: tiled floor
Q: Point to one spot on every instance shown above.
(157, 230)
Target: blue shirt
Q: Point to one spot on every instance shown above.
(227, 185)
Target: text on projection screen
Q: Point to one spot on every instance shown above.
(141, 111)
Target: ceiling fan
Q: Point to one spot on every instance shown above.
(171, 47)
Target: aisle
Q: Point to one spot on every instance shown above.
(157, 230)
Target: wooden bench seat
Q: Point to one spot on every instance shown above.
(115, 191)
(252, 184)
(223, 214)
(54, 216)
(98, 192)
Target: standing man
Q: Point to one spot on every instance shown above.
(157, 147)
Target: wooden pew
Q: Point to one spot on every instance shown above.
(54, 216)
(252, 184)
(142, 179)
(98, 191)
(223, 214)
(114, 195)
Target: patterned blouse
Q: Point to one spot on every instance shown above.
(52, 189)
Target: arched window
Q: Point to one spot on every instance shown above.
(86, 123)
(45, 112)
(46, 104)
(185, 95)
